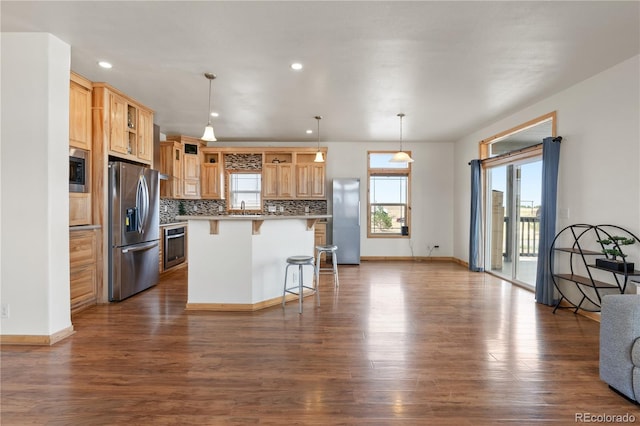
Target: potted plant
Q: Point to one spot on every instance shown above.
(613, 251)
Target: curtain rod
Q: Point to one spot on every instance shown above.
(517, 151)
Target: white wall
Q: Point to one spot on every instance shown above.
(34, 184)
(431, 193)
(599, 120)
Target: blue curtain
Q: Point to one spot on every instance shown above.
(550, 162)
(475, 232)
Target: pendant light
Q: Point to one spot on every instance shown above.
(319, 158)
(401, 156)
(208, 135)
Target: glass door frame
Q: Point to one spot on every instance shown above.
(516, 157)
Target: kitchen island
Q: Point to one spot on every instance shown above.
(237, 262)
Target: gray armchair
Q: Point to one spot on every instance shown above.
(620, 343)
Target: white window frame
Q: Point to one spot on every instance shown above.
(230, 195)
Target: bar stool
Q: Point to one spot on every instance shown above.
(327, 249)
(299, 261)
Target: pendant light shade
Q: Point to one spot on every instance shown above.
(208, 135)
(401, 156)
(319, 158)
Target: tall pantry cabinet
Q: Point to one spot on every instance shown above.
(84, 271)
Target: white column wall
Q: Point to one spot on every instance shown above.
(599, 176)
(34, 237)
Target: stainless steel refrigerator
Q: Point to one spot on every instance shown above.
(134, 209)
(346, 220)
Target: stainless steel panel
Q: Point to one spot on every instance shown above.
(346, 220)
(174, 248)
(348, 241)
(133, 268)
(134, 204)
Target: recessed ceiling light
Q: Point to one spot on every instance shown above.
(309, 132)
(215, 114)
(105, 64)
(296, 66)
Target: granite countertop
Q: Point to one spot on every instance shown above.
(254, 217)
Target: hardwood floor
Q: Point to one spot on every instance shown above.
(399, 343)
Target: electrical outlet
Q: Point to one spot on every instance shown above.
(195, 208)
(4, 311)
(220, 209)
(166, 209)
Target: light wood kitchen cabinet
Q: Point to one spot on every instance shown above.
(79, 208)
(191, 166)
(277, 175)
(83, 272)
(191, 162)
(211, 177)
(79, 112)
(310, 180)
(171, 165)
(277, 181)
(125, 126)
(118, 135)
(191, 176)
(145, 135)
(80, 137)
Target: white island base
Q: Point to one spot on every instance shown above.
(237, 263)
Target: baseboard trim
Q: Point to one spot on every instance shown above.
(461, 262)
(406, 258)
(38, 340)
(244, 307)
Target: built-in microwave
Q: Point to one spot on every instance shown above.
(78, 170)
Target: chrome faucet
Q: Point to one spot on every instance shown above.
(242, 206)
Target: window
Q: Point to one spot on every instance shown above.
(389, 200)
(245, 187)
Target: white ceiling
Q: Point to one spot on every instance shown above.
(451, 67)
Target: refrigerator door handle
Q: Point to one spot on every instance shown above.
(139, 203)
(142, 202)
(145, 202)
(358, 212)
(141, 248)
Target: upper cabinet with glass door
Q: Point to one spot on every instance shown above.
(126, 124)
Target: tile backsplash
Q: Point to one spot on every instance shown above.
(170, 208)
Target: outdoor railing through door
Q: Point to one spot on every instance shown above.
(529, 237)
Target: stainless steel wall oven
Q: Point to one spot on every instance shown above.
(174, 246)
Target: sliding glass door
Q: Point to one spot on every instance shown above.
(513, 206)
